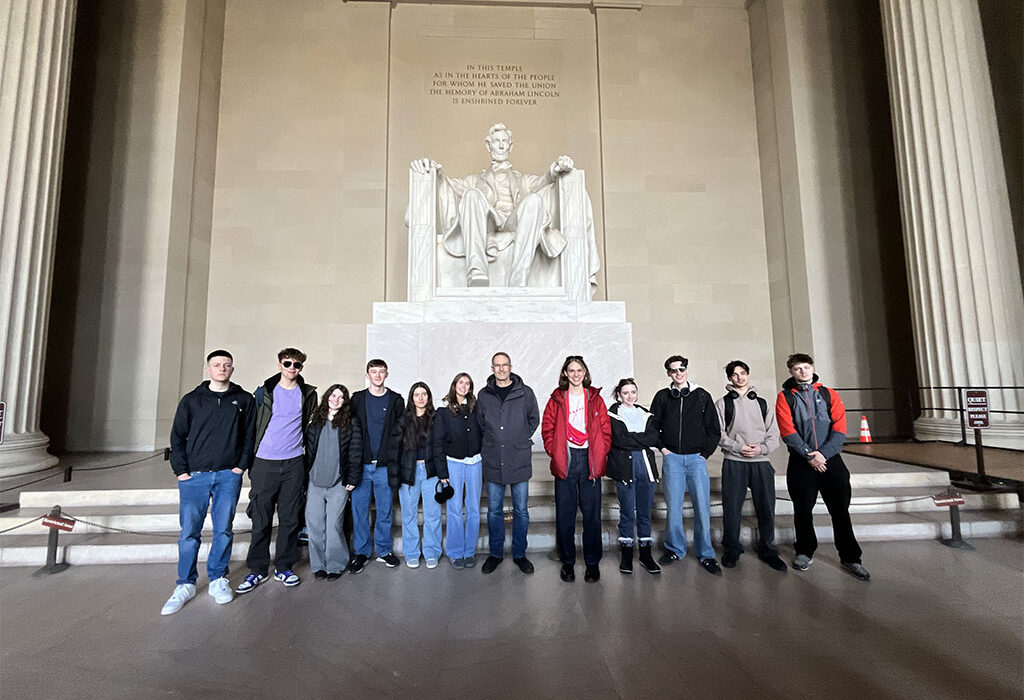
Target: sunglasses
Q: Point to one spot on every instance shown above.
(288, 364)
(574, 358)
(677, 370)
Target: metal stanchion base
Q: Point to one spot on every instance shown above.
(957, 544)
(980, 486)
(47, 570)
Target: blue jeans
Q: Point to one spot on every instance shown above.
(635, 502)
(194, 497)
(375, 483)
(463, 535)
(496, 518)
(409, 497)
(682, 472)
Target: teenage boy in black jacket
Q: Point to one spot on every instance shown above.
(689, 435)
(284, 406)
(211, 447)
(378, 409)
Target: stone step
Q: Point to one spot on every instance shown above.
(541, 484)
(542, 509)
(82, 549)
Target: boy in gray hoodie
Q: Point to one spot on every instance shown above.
(749, 434)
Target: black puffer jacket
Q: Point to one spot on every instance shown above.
(455, 435)
(350, 450)
(624, 443)
(388, 453)
(405, 470)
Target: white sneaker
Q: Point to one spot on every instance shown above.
(220, 590)
(182, 594)
(412, 563)
(431, 563)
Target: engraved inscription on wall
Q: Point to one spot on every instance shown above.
(495, 84)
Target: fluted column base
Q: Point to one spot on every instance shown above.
(1008, 434)
(24, 453)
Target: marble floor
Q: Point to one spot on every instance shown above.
(933, 623)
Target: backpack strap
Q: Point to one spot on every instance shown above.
(730, 409)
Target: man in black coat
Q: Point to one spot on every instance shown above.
(508, 414)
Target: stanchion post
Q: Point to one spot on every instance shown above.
(67, 474)
(953, 499)
(52, 565)
(979, 453)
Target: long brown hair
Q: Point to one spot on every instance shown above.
(417, 428)
(344, 415)
(452, 399)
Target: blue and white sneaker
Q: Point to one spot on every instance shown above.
(288, 577)
(250, 582)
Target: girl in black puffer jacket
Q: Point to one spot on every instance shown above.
(631, 464)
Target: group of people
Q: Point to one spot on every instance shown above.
(307, 458)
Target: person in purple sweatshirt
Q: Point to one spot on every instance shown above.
(284, 405)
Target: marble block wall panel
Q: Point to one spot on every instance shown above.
(436, 352)
(517, 310)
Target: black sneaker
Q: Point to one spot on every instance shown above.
(775, 561)
(667, 558)
(358, 564)
(711, 566)
(856, 570)
(320, 575)
(524, 564)
(491, 564)
(389, 560)
(593, 574)
(567, 574)
(729, 560)
(334, 576)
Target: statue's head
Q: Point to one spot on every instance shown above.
(499, 142)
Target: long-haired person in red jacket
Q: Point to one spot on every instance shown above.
(577, 436)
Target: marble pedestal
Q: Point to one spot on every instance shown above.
(433, 341)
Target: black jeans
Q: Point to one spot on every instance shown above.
(805, 483)
(279, 483)
(759, 477)
(577, 489)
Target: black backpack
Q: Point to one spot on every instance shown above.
(730, 408)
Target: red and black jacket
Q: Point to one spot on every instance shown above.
(811, 417)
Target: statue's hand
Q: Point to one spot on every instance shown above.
(562, 165)
(424, 165)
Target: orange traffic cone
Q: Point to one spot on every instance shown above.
(865, 431)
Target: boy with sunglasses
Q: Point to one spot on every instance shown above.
(689, 435)
(284, 405)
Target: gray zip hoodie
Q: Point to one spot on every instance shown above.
(748, 426)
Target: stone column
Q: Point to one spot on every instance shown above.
(965, 283)
(35, 47)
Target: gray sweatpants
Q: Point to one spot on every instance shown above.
(328, 550)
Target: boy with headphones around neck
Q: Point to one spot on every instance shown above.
(689, 435)
(749, 434)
